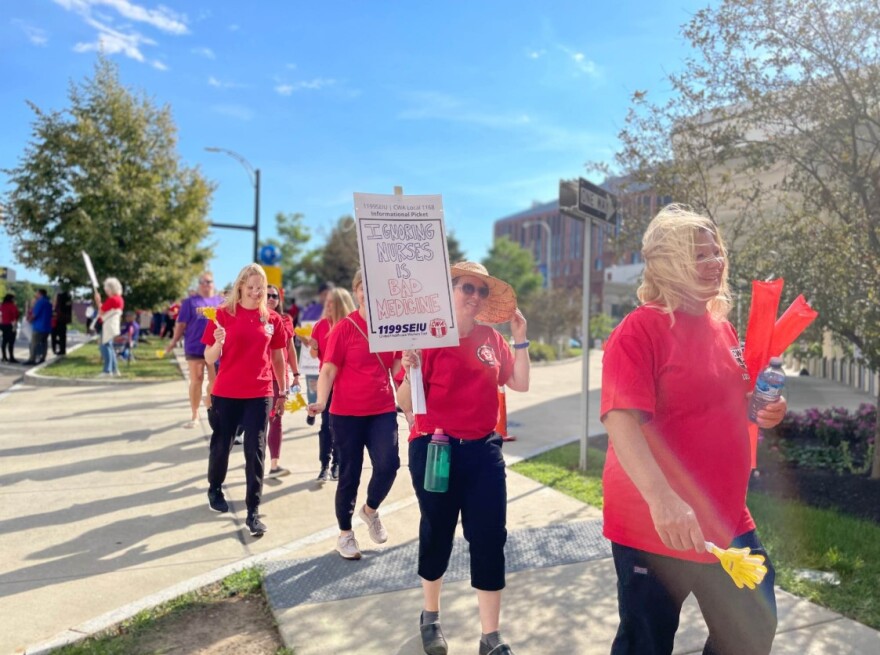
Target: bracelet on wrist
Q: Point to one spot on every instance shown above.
(521, 346)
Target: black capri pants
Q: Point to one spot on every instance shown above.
(252, 414)
(478, 491)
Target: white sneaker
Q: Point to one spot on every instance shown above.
(377, 531)
(347, 546)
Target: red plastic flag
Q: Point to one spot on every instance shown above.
(791, 324)
(762, 319)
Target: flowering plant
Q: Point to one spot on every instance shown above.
(834, 438)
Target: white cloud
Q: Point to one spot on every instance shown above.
(223, 84)
(238, 112)
(581, 63)
(207, 53)
(442, 107)
(163, 18)
(35, 35)
(285, 89)
(291, 67)
(536, 54)
(123, 38)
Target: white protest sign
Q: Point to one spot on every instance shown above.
(308, 365)
(91, 270)
(407, 288)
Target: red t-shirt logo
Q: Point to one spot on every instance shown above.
(486, 355)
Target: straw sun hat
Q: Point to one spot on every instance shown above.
(500, 306)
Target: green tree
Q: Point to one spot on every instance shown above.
(293, 238)
(453, 247)
(776, 117)
(338, 260)
(553, 314)
(103, 176)
(515, 265)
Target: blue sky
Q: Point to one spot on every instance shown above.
(487, 103)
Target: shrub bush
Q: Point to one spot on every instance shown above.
(834, 439)
(541, 352)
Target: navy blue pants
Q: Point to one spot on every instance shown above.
(651, 590)
(326, 445)
(478, 491)
(351, 434)
(252, 414)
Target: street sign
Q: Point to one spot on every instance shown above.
(584, 201)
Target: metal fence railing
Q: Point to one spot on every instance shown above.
(846, 371)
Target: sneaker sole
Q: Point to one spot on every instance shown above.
(344, 556)
(219, 511)
(257, 533)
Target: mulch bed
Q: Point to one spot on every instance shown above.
(855, 495)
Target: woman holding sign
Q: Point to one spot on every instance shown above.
(363, 414)
(252, 339)
(461, 399)
(674, 401)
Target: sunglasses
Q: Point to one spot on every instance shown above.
(272, 295)
(469, 289)
(206, 281)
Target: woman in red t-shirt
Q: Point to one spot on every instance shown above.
(252, 340)
(337, 306)
(461, 400)
(275, 303)
(363, 414)
(9, 316)
(674, 402)
(111, 321)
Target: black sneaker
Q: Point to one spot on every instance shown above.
(256, 527)
(334, 472)
(322, 474)
(216, 501)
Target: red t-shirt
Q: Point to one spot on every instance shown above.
(112, 302)
(461, 385)
(362, 386)
(246, 363)
(320, 332)
(690, 382)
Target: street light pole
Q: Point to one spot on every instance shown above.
(548, 249)
(254, 176)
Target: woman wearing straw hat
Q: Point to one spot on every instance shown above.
(461, 397)
(674, 402)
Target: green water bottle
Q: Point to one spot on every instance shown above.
(437, 463)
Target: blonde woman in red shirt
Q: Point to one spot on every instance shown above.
(251, 339)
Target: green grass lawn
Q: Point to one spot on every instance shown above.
(85, 362)
(796, 536)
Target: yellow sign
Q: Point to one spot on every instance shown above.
(273, 275)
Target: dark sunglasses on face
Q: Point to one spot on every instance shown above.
(272, 295)
(469, 289)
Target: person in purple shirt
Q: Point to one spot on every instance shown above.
(190, 326)
(314, 311)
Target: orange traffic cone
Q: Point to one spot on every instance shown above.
(501, 426)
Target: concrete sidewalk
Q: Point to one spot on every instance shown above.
(105, 514)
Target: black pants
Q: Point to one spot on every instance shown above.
(253, 415)
(39, 346)
(651, 589)
(9, 334)
(378, 433)
(59, 339)
(477, 490)
(326, 444)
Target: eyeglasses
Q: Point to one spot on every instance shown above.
(273, 296)
(206, 281)
(469, 289)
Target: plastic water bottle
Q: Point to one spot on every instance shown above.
(437, 463)
(768, 387)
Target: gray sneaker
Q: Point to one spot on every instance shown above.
(347, 546)
(377, 531)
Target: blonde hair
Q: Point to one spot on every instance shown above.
(113, 286)
(232, 299)
(669, 251)
(343, 305)
(357, 280)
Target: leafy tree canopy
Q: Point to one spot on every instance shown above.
(509, 261)
(293, 238)
(103, 176)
